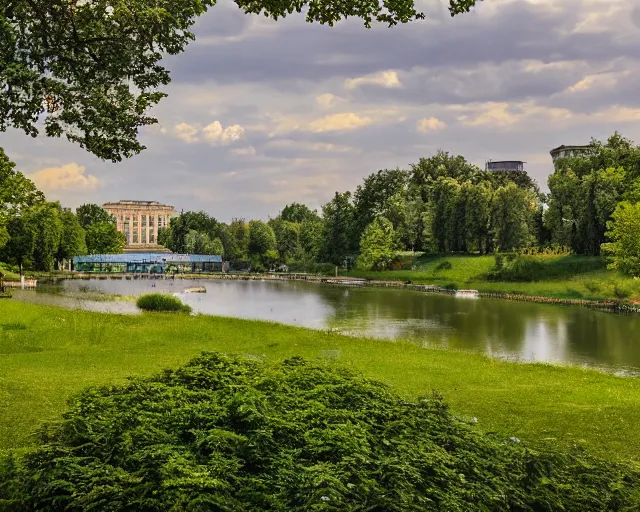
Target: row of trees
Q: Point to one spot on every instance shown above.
(441, 204)
(40, 235)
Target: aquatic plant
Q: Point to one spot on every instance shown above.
(161, 302)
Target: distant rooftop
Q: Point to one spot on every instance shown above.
(505, 165)
(133, 202)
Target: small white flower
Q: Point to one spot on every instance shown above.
(325, 498)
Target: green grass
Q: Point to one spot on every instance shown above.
(47, 354)
(561, 277)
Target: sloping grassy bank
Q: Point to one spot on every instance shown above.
(48, 354)
(560, 277)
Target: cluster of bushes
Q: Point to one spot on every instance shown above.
(227, 433)
(162, 302)
(525, 268)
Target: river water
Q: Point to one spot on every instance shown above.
(517, 331)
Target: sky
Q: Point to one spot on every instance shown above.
(263, 113)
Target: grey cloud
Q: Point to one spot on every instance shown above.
(519, 31)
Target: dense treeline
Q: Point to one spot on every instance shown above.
(41, 235)
(442, 204)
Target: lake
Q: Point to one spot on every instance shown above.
(518, 331)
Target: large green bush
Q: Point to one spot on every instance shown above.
(161, 302)
(235, 434)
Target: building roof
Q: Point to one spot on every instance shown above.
(505, 165)
(563, 147)
(130, 202)
(148, 257)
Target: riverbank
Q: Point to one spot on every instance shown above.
(564, 277)
(559, 279)
(49, 353)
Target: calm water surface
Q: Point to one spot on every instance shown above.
(512, 330)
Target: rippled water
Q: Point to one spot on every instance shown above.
(513, 330)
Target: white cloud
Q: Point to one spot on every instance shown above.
(326, 100)
(600, 81)
(70, 176)
(215, 133)
(388, 79)
(186, 132)
(430, 124)
(339, 122)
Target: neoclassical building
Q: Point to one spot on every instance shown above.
(140, 220)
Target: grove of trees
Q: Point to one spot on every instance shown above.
(441, 204)
(40, 235)
(445, 204)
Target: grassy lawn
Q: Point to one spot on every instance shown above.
(47, 354)
(562, 277)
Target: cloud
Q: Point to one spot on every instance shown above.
(325, 100)
(430, 124)
(68, 177)
(213, 133)
(216, 134)
(186, 132)
(339, 122)
(309, 146)
(248, 151)
(388, 79)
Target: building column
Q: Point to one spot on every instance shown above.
(130, 229)
(139, 228)
(156, 227)
(148, 227)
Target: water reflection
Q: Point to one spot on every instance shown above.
(519, 331)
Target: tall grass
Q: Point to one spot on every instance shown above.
(162, 302)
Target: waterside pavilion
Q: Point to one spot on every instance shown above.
(150, 262)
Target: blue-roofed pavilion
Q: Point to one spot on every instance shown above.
(148, 262)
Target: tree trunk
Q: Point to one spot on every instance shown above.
(337, 270)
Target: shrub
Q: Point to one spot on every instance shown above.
(445, 265)
(592, 286)
(161, 302)
(226, 433)
(621, 291)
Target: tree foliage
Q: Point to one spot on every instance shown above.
(338, 217)
(230, 433)
(262, 242)
(90, 213)
(73, 239)
(104, 238)
(624, 233)
(377, 245)
(16, 191)
(585, 191)
(297, 213)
